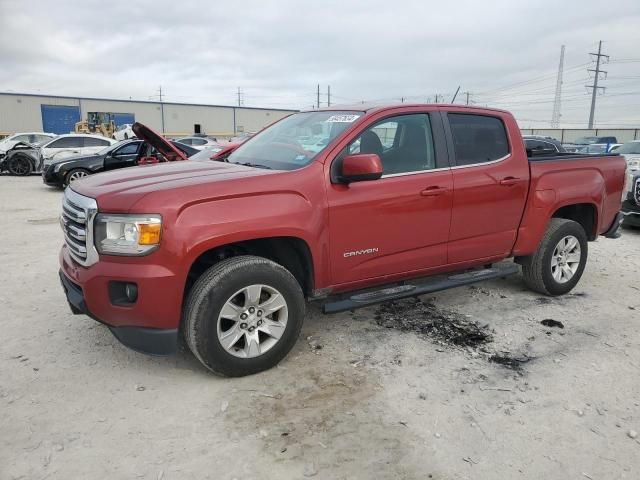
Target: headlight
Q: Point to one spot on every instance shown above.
(127, 234)
(57, 167)
(628, 183)
(634, 165)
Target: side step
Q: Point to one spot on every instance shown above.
(434, 284)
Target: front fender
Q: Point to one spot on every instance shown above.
(217, 222)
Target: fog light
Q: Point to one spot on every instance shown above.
(131, 291)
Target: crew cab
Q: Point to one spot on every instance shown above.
(402, 200)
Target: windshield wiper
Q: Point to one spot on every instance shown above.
(249, 164)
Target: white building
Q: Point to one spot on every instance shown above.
(58, 114)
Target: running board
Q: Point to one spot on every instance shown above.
(435, 284)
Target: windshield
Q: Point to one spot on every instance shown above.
(294, 141)
(631, 147)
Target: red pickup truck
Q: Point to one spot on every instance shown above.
(348, 206)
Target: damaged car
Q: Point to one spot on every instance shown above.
(128, 153)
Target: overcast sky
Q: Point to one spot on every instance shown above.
(505, 53)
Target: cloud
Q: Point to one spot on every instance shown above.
(277, 52)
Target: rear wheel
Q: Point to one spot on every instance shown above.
(75, 174)
(558, 263)
(20, 165)
(243, 315)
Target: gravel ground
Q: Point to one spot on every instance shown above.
(369, 394)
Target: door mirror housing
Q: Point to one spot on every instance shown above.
(360, 167)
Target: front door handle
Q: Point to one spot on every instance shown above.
(433, 191)
(508, 181)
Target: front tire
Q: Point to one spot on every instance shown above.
(243, 316)
(20, 165)
(557, 265)
(75, 174)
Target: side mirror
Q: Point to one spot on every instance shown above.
(360, 167)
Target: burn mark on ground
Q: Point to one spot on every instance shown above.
(423, 317)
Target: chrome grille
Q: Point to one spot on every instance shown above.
(76, 221)
(636, 191)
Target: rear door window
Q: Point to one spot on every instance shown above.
(129, 149)
(66, 142)
(95, 142)
(477, 138)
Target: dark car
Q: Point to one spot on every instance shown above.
(631, 201)
(538, 146)
(127, 153)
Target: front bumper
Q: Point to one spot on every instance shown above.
(49, 177)
(150, 325)
(631, 213)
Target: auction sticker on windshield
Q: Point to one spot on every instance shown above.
(342, 118)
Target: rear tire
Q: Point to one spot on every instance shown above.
(20, 165)
(236, 309)
(558, 263)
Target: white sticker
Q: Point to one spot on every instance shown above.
(342, 118)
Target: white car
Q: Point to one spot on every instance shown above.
(199, 143)
(72, 144)
(124, 132)
(631, 153)
(27, 137)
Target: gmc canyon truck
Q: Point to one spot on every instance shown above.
(348, 206)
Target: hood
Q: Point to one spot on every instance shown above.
(117, 191)
(157, 141)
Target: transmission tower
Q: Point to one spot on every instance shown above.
(594, 88)
(555, 116)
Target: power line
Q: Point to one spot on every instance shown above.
(594, 88)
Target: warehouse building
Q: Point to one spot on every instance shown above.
(58, 114)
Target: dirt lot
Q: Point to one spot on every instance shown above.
(466, 384)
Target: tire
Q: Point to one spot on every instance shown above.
(538, 270)
(225, 285)
(20, 165)
(74, 175)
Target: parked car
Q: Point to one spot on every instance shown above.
(30, 138)
(631, 199)
(22, 159)
(70, 144)
(199, 142)
(228, 252)
(124, 132)
(127, 153)
(582, 141)
(631, 152)
(537, 145)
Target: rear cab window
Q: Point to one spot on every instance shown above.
(478, 139)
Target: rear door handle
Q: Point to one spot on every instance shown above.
(433, 191)
(508, 181)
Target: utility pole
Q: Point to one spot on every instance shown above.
(455, 95)
(328, 95)
(161, 108)
(594, 88)
(239, 97)
(467, 94)
(318, 96)
(555, 116)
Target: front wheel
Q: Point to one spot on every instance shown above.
(75, 174)
(558, 263)
(243, 315)
(20, 165)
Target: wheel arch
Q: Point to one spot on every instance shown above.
(586, 214)
(293, 253)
